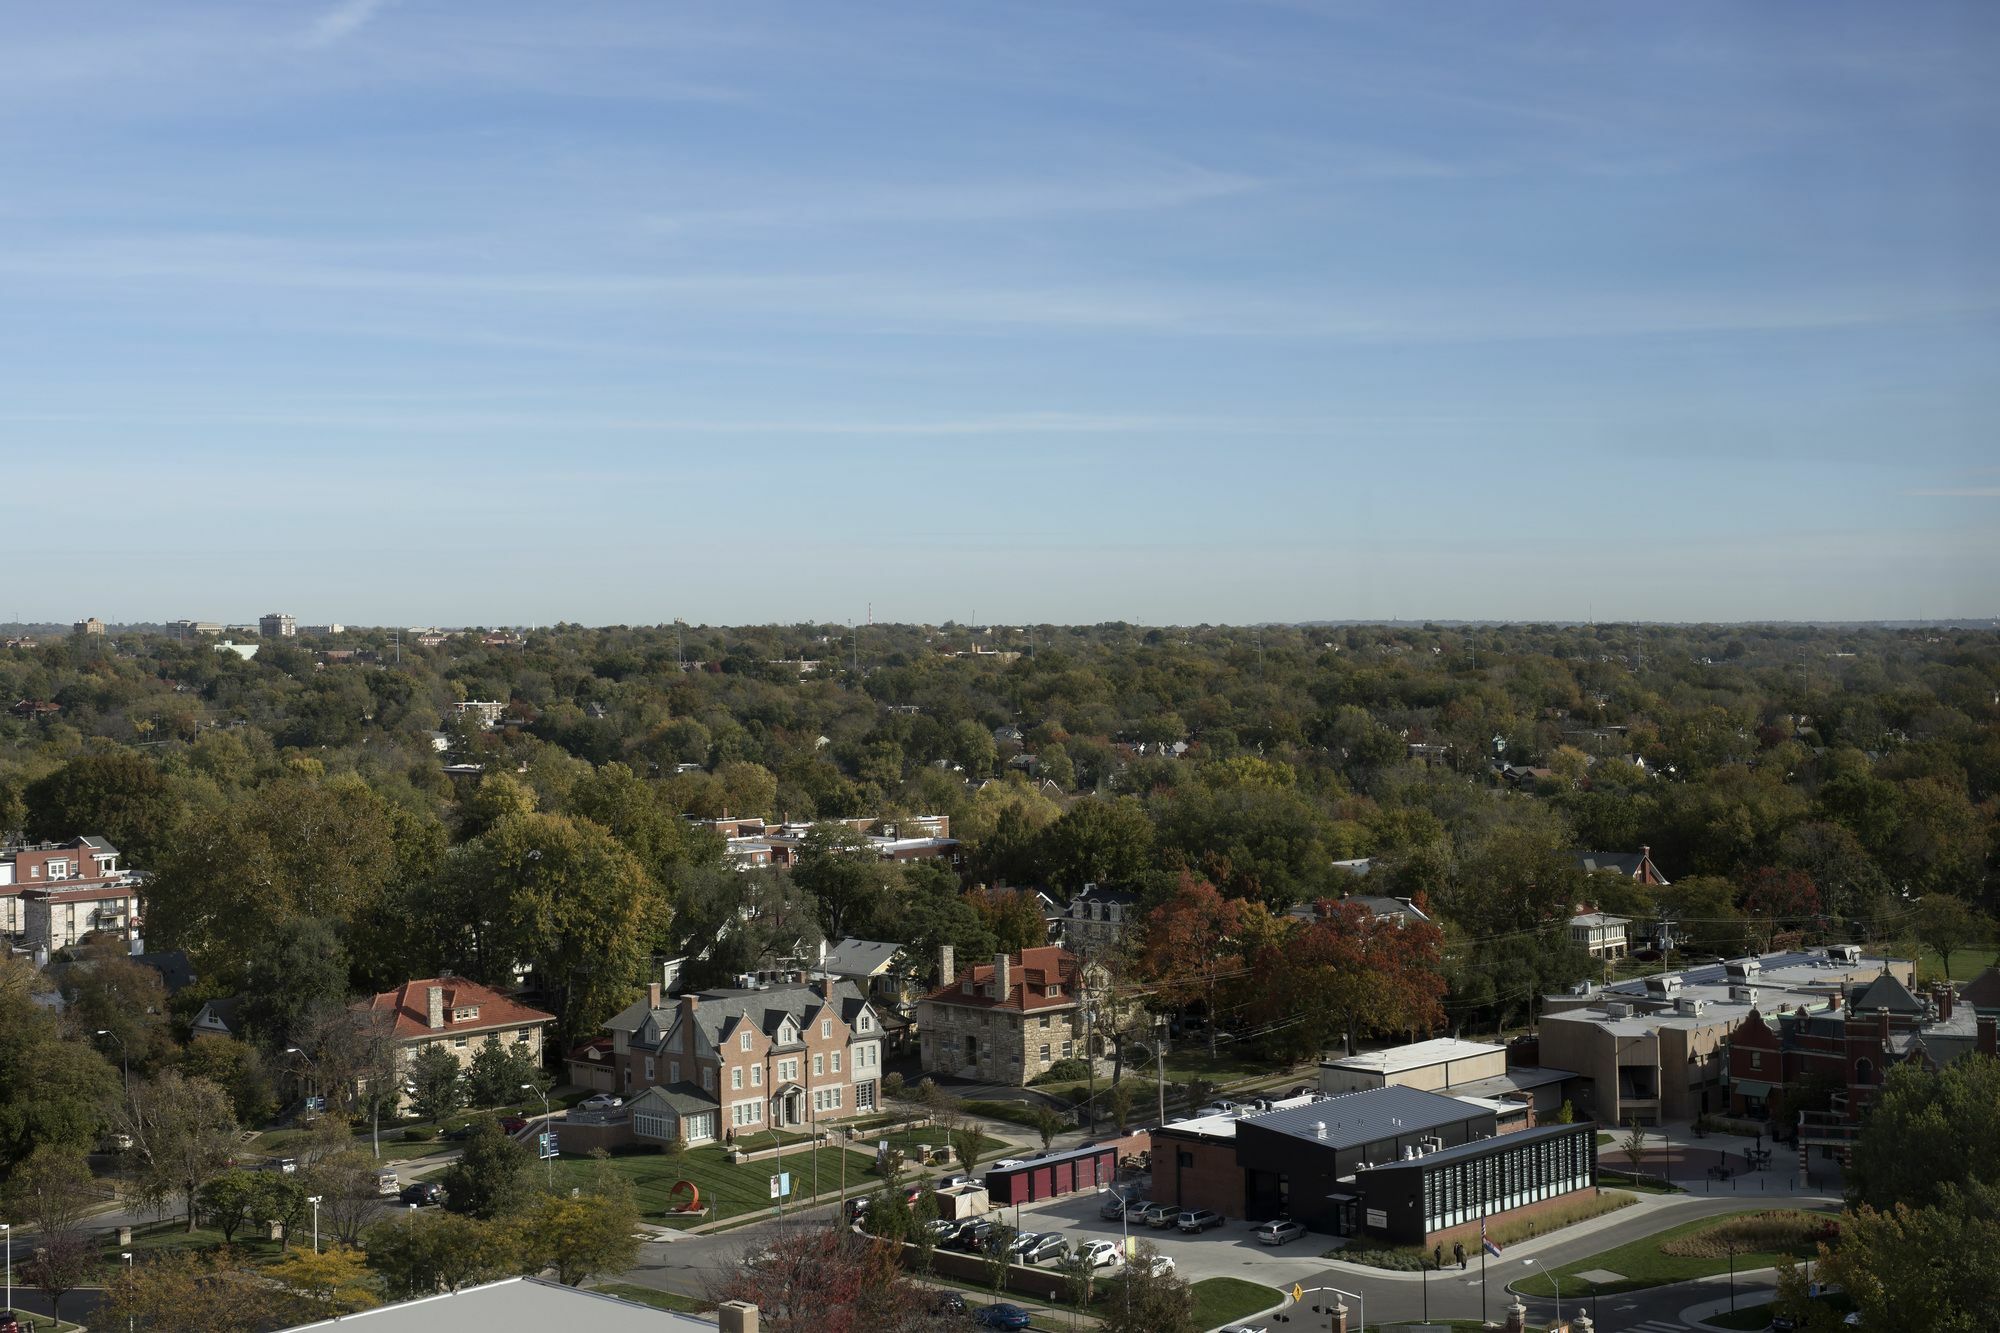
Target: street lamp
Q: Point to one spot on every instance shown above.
(1125, 1250)
(124, 1059)
(126, 1255)
(547, 1116)
(1732, 1277)
(1553, 1279)
(8, 1228)
(314, 1199)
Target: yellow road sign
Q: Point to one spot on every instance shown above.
(1298, 1293)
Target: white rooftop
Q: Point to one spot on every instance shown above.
(1224, 1126)
(520, 1302)
(1417, 1055)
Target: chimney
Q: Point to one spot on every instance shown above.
(1003, 977)
(689, 1004)
(652, 995)
(826, 988)
(736, 1317)
(947, 965)
(1989, 1036)
(1945, 996)
(434, 999)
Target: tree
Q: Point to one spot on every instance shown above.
(1634, 1143)
(996, 1249)
(1928, 1267)
(182, 1289)
(495, 1076)
(567, 897)
(1096, 842)
(1046, 1123)
(579, 1235)
(490, 1176)
(1148, 1300)
(300, 966)
(1926, 1129)
(52, 1191)
(828, 1280)
(229, 1200)
(1793, 1300)
(105, 991)
(184, 1131)
(280, 1197)
(1347, 973)
(61, 1263)
(115, 794)
(1190, 945)
(439, 1251)
(968, 1145)
(1012, 916)
(332, 1282)
(435, 1079)
(1944, 925)
(53, 1091)
(1122, 1097)
(888, 1216)
(838, 871)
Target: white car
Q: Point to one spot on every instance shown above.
(603, 1101)
(1279, 1233)
(1008, 1163)
(1099, 1254)
(1244, 1328)
(1163, 1266)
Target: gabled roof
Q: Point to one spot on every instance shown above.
(1885, 992)
(409, 1008)
(682, 1098)
(860, 958)
(1983, 991)
(1625, 863)
(175, 969)
(766, 1010)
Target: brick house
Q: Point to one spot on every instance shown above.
(1008, 1021)
(779, 1056)
(456, 1014)
(52, 894)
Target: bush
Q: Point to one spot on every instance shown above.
(418, 1134)
(1779, 1231)
(1063, 1071)
(892, 1085)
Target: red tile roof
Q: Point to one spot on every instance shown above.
(410, 1005)
(1030, 973)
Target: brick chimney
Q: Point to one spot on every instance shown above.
(947, 965)
(1944, 996)
(1003, 977)
(652, 995)
(736, 1317)
(434, 1001)
(1989, 1036)
(689, 1004)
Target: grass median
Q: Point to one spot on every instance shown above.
(1678, 1254)
(1226, 1300)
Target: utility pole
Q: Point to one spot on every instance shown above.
(1160, 1057)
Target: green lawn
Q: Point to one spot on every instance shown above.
(1642, 1264)
(726, 1191)
(174, 1235)
(1225, 1300)
(1758, 1316)
(659, 1300)
(1965, 964)
(1637, 1184)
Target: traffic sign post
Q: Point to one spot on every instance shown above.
(781, 1185)
(546, 1145)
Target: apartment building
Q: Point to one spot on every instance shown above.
(52, 894)
(778, 1056)
(455, 1014)
(1601, 935)
(277, 625)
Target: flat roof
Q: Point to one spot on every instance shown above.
(1416, 1055)
(1520, 1078)
(518, 1302)
(1224, 1126)
(1352, 1119)
(1481, 1147)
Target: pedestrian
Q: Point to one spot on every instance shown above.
(1439, 1256)
(1458, 1252)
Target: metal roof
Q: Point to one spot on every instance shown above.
(1369, 1116)
(1416, 1055)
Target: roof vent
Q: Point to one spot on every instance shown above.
(1319, 1129)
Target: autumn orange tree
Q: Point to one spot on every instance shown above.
(1346, 973)
(825, 1279)
(1191, 946)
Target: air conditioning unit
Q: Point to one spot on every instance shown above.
(1618, 1009)
(1690, 1006)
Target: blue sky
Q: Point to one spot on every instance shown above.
(440, 311)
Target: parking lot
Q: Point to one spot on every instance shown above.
(1225, 1251)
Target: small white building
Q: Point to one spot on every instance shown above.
(1602, 935)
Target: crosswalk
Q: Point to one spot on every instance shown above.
(1649, 1326)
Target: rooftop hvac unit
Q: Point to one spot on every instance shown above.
(1743, 994)
(1690, 1006)
(1319, 1129)
(1618, 1009)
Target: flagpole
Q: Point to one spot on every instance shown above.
(1482, 1284)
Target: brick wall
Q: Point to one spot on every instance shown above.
(1197, 1173)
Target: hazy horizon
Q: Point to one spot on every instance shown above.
(1273, 311)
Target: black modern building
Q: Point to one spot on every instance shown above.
(1411, 1201)
(1295, 1160)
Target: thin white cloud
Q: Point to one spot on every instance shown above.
(343, 21)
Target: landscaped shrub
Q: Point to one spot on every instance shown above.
(1774, 1232)
(1409, 1259)
(418, 1134)
(1063, 1071)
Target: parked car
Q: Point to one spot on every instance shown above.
(1160, 1216)
(386, 1183)
(949, 1302)
(603, 1101)
(1218, 1108)
(855, 1208)
(1113, 1207)
(1198, 1220)
(1008, 1163)
(1281, 1232)
(1245, 1328)
(459, 1135)
(1022, 1240)
(940, 1227)
(1099, 1253)
(951, 1181)
(9, 1323)
(513, 1124)
(1048, 1247)
(422, 1193)
(1002, 1316)
(1162, 1265)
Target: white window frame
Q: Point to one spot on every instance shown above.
(756, 1076)
(736, 1080)
(836, 1062)
(744, 1040)
(825, 1028)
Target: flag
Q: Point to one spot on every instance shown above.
(1491, 1248)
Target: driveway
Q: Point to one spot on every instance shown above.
(1225, 1251)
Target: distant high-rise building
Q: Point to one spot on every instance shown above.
(276, 625)
(194, 629)
(91, 628)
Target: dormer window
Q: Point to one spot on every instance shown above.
(863, 1024)
(1055, 991)
(465, 1014)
